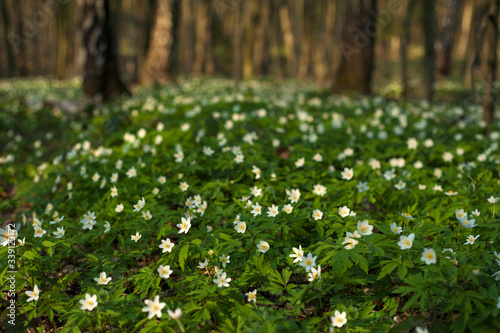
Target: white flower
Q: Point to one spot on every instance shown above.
(184, 225)
(317, 214)
(300, 162)
(400, 185)
(471, 239)
(419, 329)
(293, 195)
(460, 214)
(314, 274)
(412, 143)
(476, 212)
(347, 174)
(344, 211)
(257, 209)
(272, 211)
(468, 223)
(256, 171)
(164, 271)
(350, 243)
(114, 191)
(308, 262)
(183, 186)
(107, 227)
(136, 237)
(395, 229)
(255, 191)
(493, 200)
(131, 172)
(224, 260)
(102, 279)
(240, 227)
(319, 190)
(153, 307)
(263, 246)
(140, 204)
(365, 228)
(33, 295)
(252, 296)
(147, 215)
(429, 256)
(57, 220)
(287, 208)
(298, 254)
(362, 187)
(175, 314)
(406, 242)
(203, 264)
(339, 319)
(59, 233)
(89, 303)
(39, 232)
(166, 245)
(119, 208)
(222, 280)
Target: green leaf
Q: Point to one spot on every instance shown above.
(183, 253)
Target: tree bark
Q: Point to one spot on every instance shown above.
(186, 37)
(429, 56)
(156, 65)
(62, 41)
(11, 60)
(403, 48)
(101, 65)
(479, 10)
(489, 64)
(357, 47)
(237, 47)
(260, 43)
(448, 23)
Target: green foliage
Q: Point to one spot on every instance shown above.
(209, 155)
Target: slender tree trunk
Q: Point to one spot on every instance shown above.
(403, 50)
(479, 10)
(62, 41)
(260, 43)
(449, 23)
(101, 64)
(155, 68)
(288, 36)
(186, 37)
(318, 52)
(274, 44)
(11, 60)
(237, 47)
(429, 56)
(489, 65)
(305, 50)
(358, 48)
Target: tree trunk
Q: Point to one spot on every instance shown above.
(489, 64)
(274, 44)
(62, 41)
(306, 45)
(288, 36)
(429, 56)
(405, 41)
(479, 10)
(448, 23)
(237, 48)
(11, 59)
(357, 47)
(156, 65)
(318, 52)
(101, 65)
(261, 30)
(186, 37)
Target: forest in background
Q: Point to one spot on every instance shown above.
(344, 45)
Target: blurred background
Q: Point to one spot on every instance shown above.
(401, 48)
